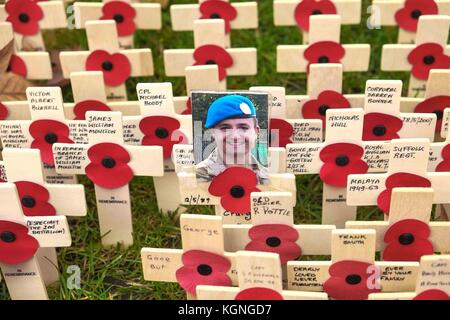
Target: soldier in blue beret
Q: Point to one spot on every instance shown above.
(234, 127)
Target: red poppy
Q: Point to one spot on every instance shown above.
(407, 240)
(258, 294)
(116, 67)
(425, 57)
(328, 99)
(45, 133)
(398, 180)
(218, 9)
(276, 238)
(340, 160)
(434, 105)
(432, 294)
(16, 245)
(188, 109)
(324, 52)
(407, 17)
(17, 66)
(162, 131)
(3, 112)
(121, 12)
(212, 54)
(306, 8)
(234, 186)
(109, 165)
(34, 199)
(24, 16)
(82, 107)
(280, 132)
(349, 280)
(203, 268)
(444, 165)
(381, 126)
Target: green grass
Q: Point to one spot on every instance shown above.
(117, 273)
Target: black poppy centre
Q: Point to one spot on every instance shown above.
(237, 192)
(107, 65)
(7, 236)
(323, 109)
(108, 162)
(342, 160)
(210, 61)
(161, 133)
(51, 138)
(215, 16)
(406, 238)
(204, 269)
(353, 279)
(316, 11)
(439, 114)
(379, 130)
(323, 59)
(416, 13)
(28, 201)
(429, 59)
(273, 242)
(118, 18)
(24, 18)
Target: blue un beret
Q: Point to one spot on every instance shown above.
(226, 107)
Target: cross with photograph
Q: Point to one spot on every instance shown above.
(230, 129)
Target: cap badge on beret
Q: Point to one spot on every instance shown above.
(245, 108)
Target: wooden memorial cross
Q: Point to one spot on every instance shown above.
(272, 229)
(47, 126)
(430, 51)
(210, 42)
(405, 14)
(298, 12)
(237, 16)
(202, 259)
(408, 161)
(324, 47)
(24, 168)
(129, 17)
(432, 281)
(21, 237)
(260, 278)
(383, 119)
(352, 273)
(408, 233)
(342, 152)
(29, 18)
(110, 165)
(104, 55)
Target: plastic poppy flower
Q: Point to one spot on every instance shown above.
(432, 294)
(444, 165)
(203, 268)
(24, 16)
(34, 199)
(162, 131)
(398, 180)
(276, 238)
(212, 54)
(340, 160)
(258, 294)
(234, 186)
(188, 109)
(407, 240)
(17, 66)
(349, 280)
(116, 67)
(280, 133)
(121, 12)
(328, 99)
(324, 52)
(306, 8)
(3, 111)
(425, 57)
(218, 9)
(109, 165)
(45, 133)
(16, 245)
(434, 105)
(381, 126)
(82, 107)
(407, 17)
